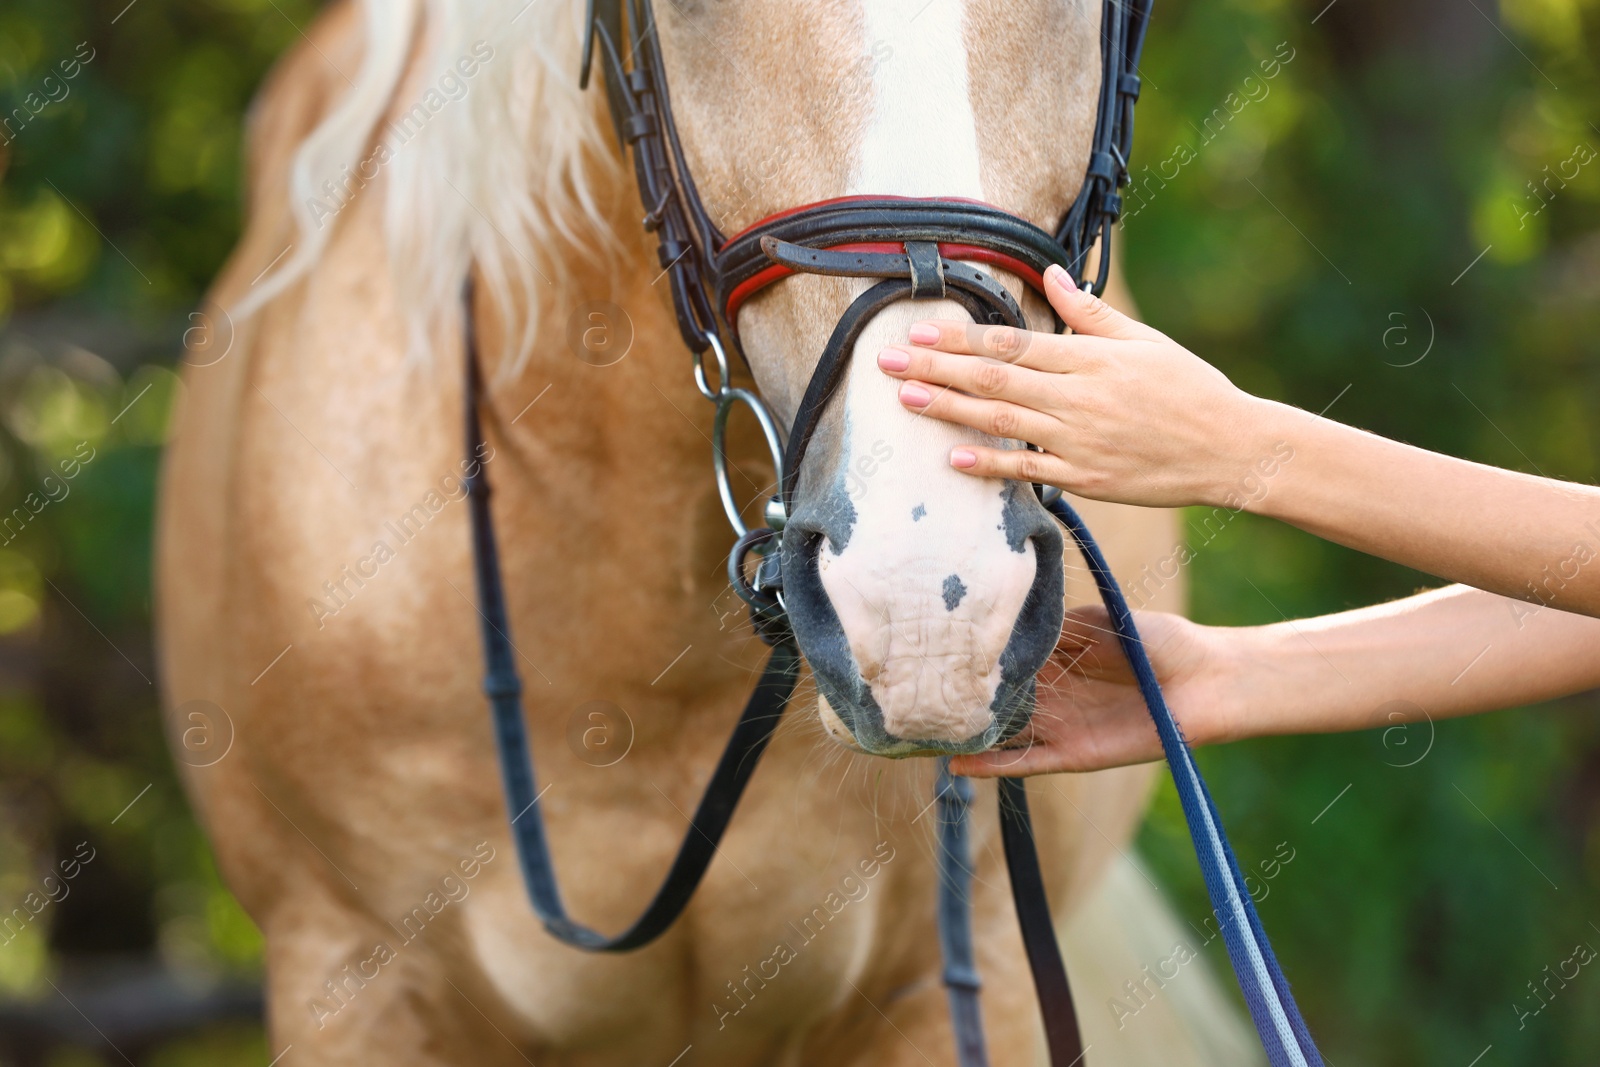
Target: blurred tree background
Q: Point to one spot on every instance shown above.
(1388, 210)
(1398, 225)
(120, 172)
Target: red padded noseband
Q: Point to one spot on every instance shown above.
(954, 250)
(745, 290)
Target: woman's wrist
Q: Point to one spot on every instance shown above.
(1274, 437)
(1259, 442)
(1314, 463)
(1234, 693)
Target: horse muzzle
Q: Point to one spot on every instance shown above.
(927, 645)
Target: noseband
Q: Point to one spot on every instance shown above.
(911, 249)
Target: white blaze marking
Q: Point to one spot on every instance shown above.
(933, 669)
(923, 137)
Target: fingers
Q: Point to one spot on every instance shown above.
(980, 377)
(998, 418)
(1083, 631)
(1011, 763)
(1024, 348)
(1012, 464)
(1111, 736)
(1085, 313)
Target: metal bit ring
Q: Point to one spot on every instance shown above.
(726, 400)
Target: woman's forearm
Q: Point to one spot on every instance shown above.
(1532, 538)
(1125, 413)
(1449, 652)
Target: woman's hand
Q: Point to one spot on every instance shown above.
(1090, 715)
(1122, 412)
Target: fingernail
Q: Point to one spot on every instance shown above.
(923, 334)
(963, 457)
(893, 359)
(1057, 275)
(914, 395)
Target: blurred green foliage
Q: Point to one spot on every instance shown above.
(120, 154)
(1368, 202)
(1320, 241)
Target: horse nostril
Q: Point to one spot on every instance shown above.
(1038, 625)
(815, 619)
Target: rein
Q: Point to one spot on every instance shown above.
(503, 686)
(915, 249)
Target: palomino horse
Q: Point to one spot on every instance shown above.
(314, 562)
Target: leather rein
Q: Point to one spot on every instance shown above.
(915, 249)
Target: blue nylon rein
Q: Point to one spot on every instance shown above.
(1277, 1018)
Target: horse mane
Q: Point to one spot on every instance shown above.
(497, 169)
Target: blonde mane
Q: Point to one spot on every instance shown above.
(469, 112)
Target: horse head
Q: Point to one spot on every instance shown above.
(925, 600)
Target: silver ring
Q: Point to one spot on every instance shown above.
(700, 381)
(719, 455)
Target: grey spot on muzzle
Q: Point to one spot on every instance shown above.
(835, 517)
(1020, 518)
(918, 511)
(953, 592)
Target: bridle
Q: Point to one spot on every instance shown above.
(913, 249)
(919, 248)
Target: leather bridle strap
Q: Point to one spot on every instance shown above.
(1095, 211)
(953, 794)
(1038, 927)
(976, 294)
(931, 274)
(961, 980)
(699, 261)
(641, 110)
(503, 685)
(963, 230)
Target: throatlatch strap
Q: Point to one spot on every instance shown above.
(1277, 1018)
(504, 688)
